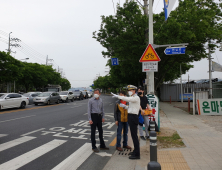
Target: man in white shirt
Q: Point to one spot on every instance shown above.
(133, 110)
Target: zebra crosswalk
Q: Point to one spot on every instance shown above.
(72, 162)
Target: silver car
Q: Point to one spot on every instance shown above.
(31, 96)
(47, 98)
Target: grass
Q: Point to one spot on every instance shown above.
(173, 141)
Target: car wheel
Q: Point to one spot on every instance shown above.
(48, 102)
(67, 100)
(72, 99)
(36, 104)
(58, 101)
(23, 104)
(79, 98)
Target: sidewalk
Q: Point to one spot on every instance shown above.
(203, 145)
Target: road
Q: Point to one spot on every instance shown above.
(53, 137)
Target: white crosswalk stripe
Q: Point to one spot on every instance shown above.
(76, 159)
(2, 135)
(15, 142)
(31, 155)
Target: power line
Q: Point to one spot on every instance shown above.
(156, 5)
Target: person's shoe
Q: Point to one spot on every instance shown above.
(134, 157)
(119, 149)
(104, 148)
(131, 153)
(95, 150)
(127, 147)
(142, 137)
(147, 137)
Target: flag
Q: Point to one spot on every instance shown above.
(216, 67)
(168, 6)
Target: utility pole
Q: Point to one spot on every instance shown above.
(146, 36)
(210, 71)
(181, 85)
(9, 43)
(46, 60)
(149, 75)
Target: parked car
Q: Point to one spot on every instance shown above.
(66, 96)
(11, 100)
(85, 94)
(31, 96)
(78, 95)
(47, 98)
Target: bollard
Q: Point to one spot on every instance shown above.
(153, 164)
(189, 105)
(152, 126)
(170, 99)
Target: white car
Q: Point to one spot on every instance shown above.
(66, 96)
(11, 100)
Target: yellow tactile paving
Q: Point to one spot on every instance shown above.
(172, 160)
(167, 166)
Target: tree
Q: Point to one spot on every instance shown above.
(29, 75)
(9, 68)
(65, 84)
(123, 36)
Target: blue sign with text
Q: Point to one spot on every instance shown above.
(175, 50)
(115, 61)
(186, 96)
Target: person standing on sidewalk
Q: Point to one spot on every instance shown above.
(133, 110)
(121, 119)
(143, 105)
(96, 117)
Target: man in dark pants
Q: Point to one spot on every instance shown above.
(96, 117)
(133, 110)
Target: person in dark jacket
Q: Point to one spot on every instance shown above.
(121, 118)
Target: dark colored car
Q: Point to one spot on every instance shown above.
(85, 94)
(78, 95)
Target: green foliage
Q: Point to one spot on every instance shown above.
(29, 75)
(123, 37)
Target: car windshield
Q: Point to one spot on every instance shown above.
(2, 96)
(26, 94)
(44, 94)
(63, 93)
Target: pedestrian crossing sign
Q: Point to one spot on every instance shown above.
(149, 55)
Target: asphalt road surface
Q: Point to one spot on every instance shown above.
(53, 137)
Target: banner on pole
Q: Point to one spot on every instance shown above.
(216, 67)
(168, 6)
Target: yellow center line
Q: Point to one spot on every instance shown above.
(113, 143)
(28, 109)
